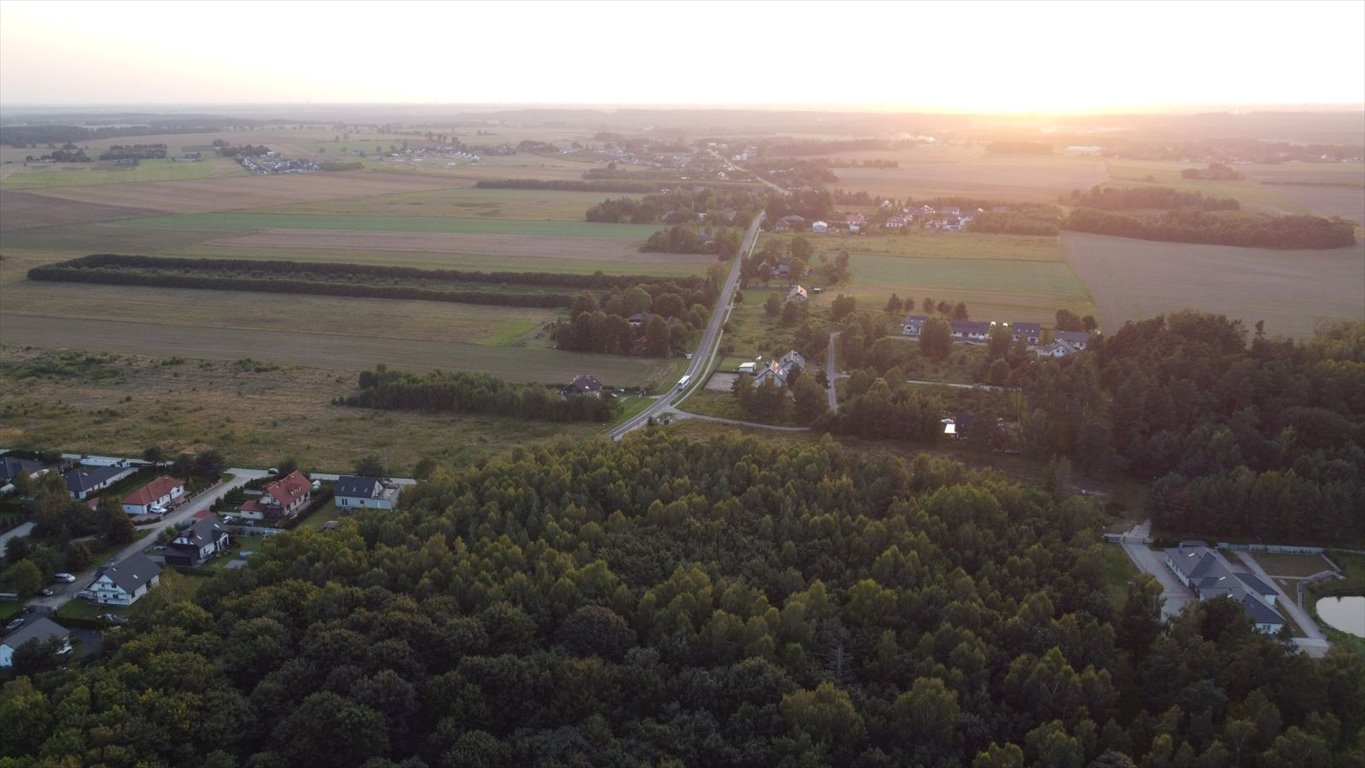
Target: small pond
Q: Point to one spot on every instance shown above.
(1344, 613)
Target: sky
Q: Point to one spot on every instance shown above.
(966, 57)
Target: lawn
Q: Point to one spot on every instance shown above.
(1118, 570)
(1291, 566)
(318, 518)
(83, 174)
(259, 221)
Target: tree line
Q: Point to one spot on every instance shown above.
(722, 241)
(634, 322)
(680, 206)
(446, 392)
(1248, 230)
(1165, 198)
(665, 601)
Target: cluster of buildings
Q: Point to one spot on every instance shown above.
(272, 163)
(979, 331)
(782, 371)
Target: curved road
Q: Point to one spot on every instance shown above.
(710, 341)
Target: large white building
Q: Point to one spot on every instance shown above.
(126, 581)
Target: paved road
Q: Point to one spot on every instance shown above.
(66, 592)
(1314, 643)
(762, 180)
(710, 342)
(1174, 595)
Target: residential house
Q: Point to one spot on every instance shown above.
(197, 543)
(354, 492)
(1056, 349)
(154, 497)
(1031, 333)
(819, 226)
(83, 481)
(797, 294)
(1077, 340)
(585, 384)
(925, 210)
(782, 371)
(39, 630)
(970, 330)
(282, 498)
(1209, 575)
(126, 581)
(913, 325)
(855, 221)
(13, 466)
(895, 222)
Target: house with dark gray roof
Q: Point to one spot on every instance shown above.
(1209, 575)
(1077, 340)
(82, 481)
(1031, 333)
(126, 581)
(355, 492)
(585, 384)
(38, 630)
(912, 325)
(970, 330)
(197, 543)
(13, 466)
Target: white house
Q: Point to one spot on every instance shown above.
(797, 294)
(126, 581)
(197, 543)
(353, 492)
(83, 481)
(1056, 349)
(39, 630)
(154, 496)
(1077, 340)
(819, 226)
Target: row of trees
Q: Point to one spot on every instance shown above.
(680, 206)
(1152, 198)
(571, 185)
(445, 392)
(666, 601)
(1248, 230)
(722, 241)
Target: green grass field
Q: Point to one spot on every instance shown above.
(74, 175)
(999, 277)
(254, 221)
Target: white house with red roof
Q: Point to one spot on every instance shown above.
(282, 498)
(154, 497)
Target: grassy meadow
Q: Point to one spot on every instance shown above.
(255, 413)
(927, 171)
(43, 176)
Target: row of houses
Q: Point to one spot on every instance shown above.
(1063, 342)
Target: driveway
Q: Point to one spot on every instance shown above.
(1174, 595)
(1314, 643)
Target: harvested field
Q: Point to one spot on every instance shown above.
(336, 351)
(254, 414)
(546, 248)
(635, 233)
(1289, 290)
(927, 171)
(535, 205)
(1160, 173)
(936, 245)
(23, 210)
(224, 194)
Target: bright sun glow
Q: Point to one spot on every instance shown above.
(958, 57)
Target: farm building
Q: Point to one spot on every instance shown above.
(154, 497)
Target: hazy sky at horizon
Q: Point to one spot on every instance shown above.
(967, 56)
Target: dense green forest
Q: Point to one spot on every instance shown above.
(666, 602)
